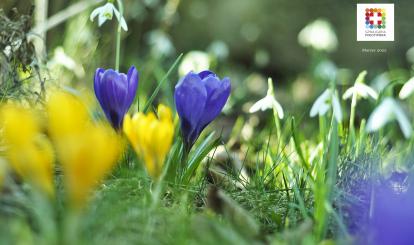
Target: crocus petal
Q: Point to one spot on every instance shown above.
(114, 90)
(217, 94)
(319, 103)
(407, 89)
(190, 99)
(132, 78)
(205, 74)
(97, 83)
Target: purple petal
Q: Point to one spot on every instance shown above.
(205, 74)
(217, 94)
(190, 98)
(132, 78)
(97, 83)
(114, 90)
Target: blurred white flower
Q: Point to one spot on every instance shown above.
(407, 89)
(326, 70)
(410, 55)
(106, 12)
(195, 61)
(268, 102)
(389, 110)
(60, 58)
(319, 35)
(160, 43)
(219, 49)
(324, 102)
(360, 89)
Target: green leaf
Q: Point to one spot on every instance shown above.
(195, 159)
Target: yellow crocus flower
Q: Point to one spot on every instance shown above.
(28, 151)
(87, 151)
(151, 137)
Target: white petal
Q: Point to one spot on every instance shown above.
(348, 93)
(121, 20)
(381, 115)
(403, 121)
(101, 19)
(365, 90)
(108, 11)
(278, 108)
(319, 102)
(336, 107)
(95, 13)
(259, 105)
(323, 109)
(407, 89)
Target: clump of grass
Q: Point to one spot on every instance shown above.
(17, 55)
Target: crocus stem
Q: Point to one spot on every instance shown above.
(118, 35)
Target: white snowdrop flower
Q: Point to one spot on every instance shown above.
(360, 89)
(319, 35)
(389, 110)
(410, 55)
(195, 61)
(328, 99)
(106, 12)
(407, 89)
(268, 102)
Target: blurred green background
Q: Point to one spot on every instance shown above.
(258, 35)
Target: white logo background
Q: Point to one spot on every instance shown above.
(364, 34)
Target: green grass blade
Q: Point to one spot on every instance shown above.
(157, 89)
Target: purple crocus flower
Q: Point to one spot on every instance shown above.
(199, 99)
(393, 212)
(115, 92)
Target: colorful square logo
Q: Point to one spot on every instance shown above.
(375, 22)
(375, 18)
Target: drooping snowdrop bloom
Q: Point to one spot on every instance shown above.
(106, 12)
(407, 89)
(328, 99)
(360, 90)
(389, 110)
(115, 92)
(268, 102)
(199, 99)
(319, 35)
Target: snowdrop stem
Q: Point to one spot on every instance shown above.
(322, 130)
(278, 129)
(352, 120)
(118, 35)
